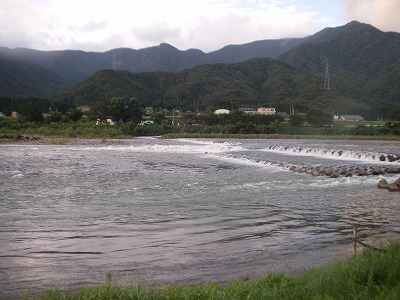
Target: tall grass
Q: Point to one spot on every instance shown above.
(11, 128)
(371, 275)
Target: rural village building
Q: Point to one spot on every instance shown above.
(259, 111)
(221, 111)
(348, 118)
(247, 110)
(266, 111)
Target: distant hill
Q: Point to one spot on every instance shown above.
(74, 66)
(251, 83)
(19, 78)
(359, 56)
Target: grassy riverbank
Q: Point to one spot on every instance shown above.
(13, 130)
(371, 275)
(115, 137)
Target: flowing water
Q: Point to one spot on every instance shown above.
(189, 210)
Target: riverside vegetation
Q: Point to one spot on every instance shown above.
(12, 129)
(371, 275)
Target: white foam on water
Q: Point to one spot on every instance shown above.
(17, 175)
(251, 162)
(320, 182)
(188, 147)
(328, 153)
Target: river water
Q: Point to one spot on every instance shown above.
(160, 211)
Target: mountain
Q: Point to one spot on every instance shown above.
(19, 78)
(358, 56)
(250, 83)
(73, 66)
(257, 49)
(68, 65)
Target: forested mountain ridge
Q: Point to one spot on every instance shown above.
(358, 55)
(255, 82)
(356, 47)
(73, 66)
(19, 78)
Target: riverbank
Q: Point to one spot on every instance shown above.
(371, 275)
(281, 136)
(46, 140)
(55, 140)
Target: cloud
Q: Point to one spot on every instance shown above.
(258, 21)
(383, 14)
(204, 24)
(94, 26)
(157, 33)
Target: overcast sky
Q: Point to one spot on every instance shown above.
(101, 25)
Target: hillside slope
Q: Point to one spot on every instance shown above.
(360, 57)
(21, 79)
(254, 82)
(74, 66)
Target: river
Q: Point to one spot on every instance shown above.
(158, 211)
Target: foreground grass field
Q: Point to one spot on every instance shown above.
(371, 275)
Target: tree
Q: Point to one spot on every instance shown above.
(133, 112)
(158, 105)
(318, 117)
(31, 111)
(210, 119)
(118, 110)
(54, 116)
(74, 114)
(99, 110)
(158, 118)
(296, 120)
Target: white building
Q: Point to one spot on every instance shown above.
(348, 118)
(221, 111)
(266, 111)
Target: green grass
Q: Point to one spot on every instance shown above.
(12, 129)
(371, 275)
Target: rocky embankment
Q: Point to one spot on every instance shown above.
(349, 171)
(393, 187)
(391, 165)
(19, 137)
(345, 171)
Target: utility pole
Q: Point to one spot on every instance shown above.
(327, 85)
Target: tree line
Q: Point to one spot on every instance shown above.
(124, 111)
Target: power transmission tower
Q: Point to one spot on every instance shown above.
(115, 63)
(327, 85)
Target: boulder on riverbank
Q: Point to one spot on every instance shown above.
(393, 187)
(382, 184)
(346, 171)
